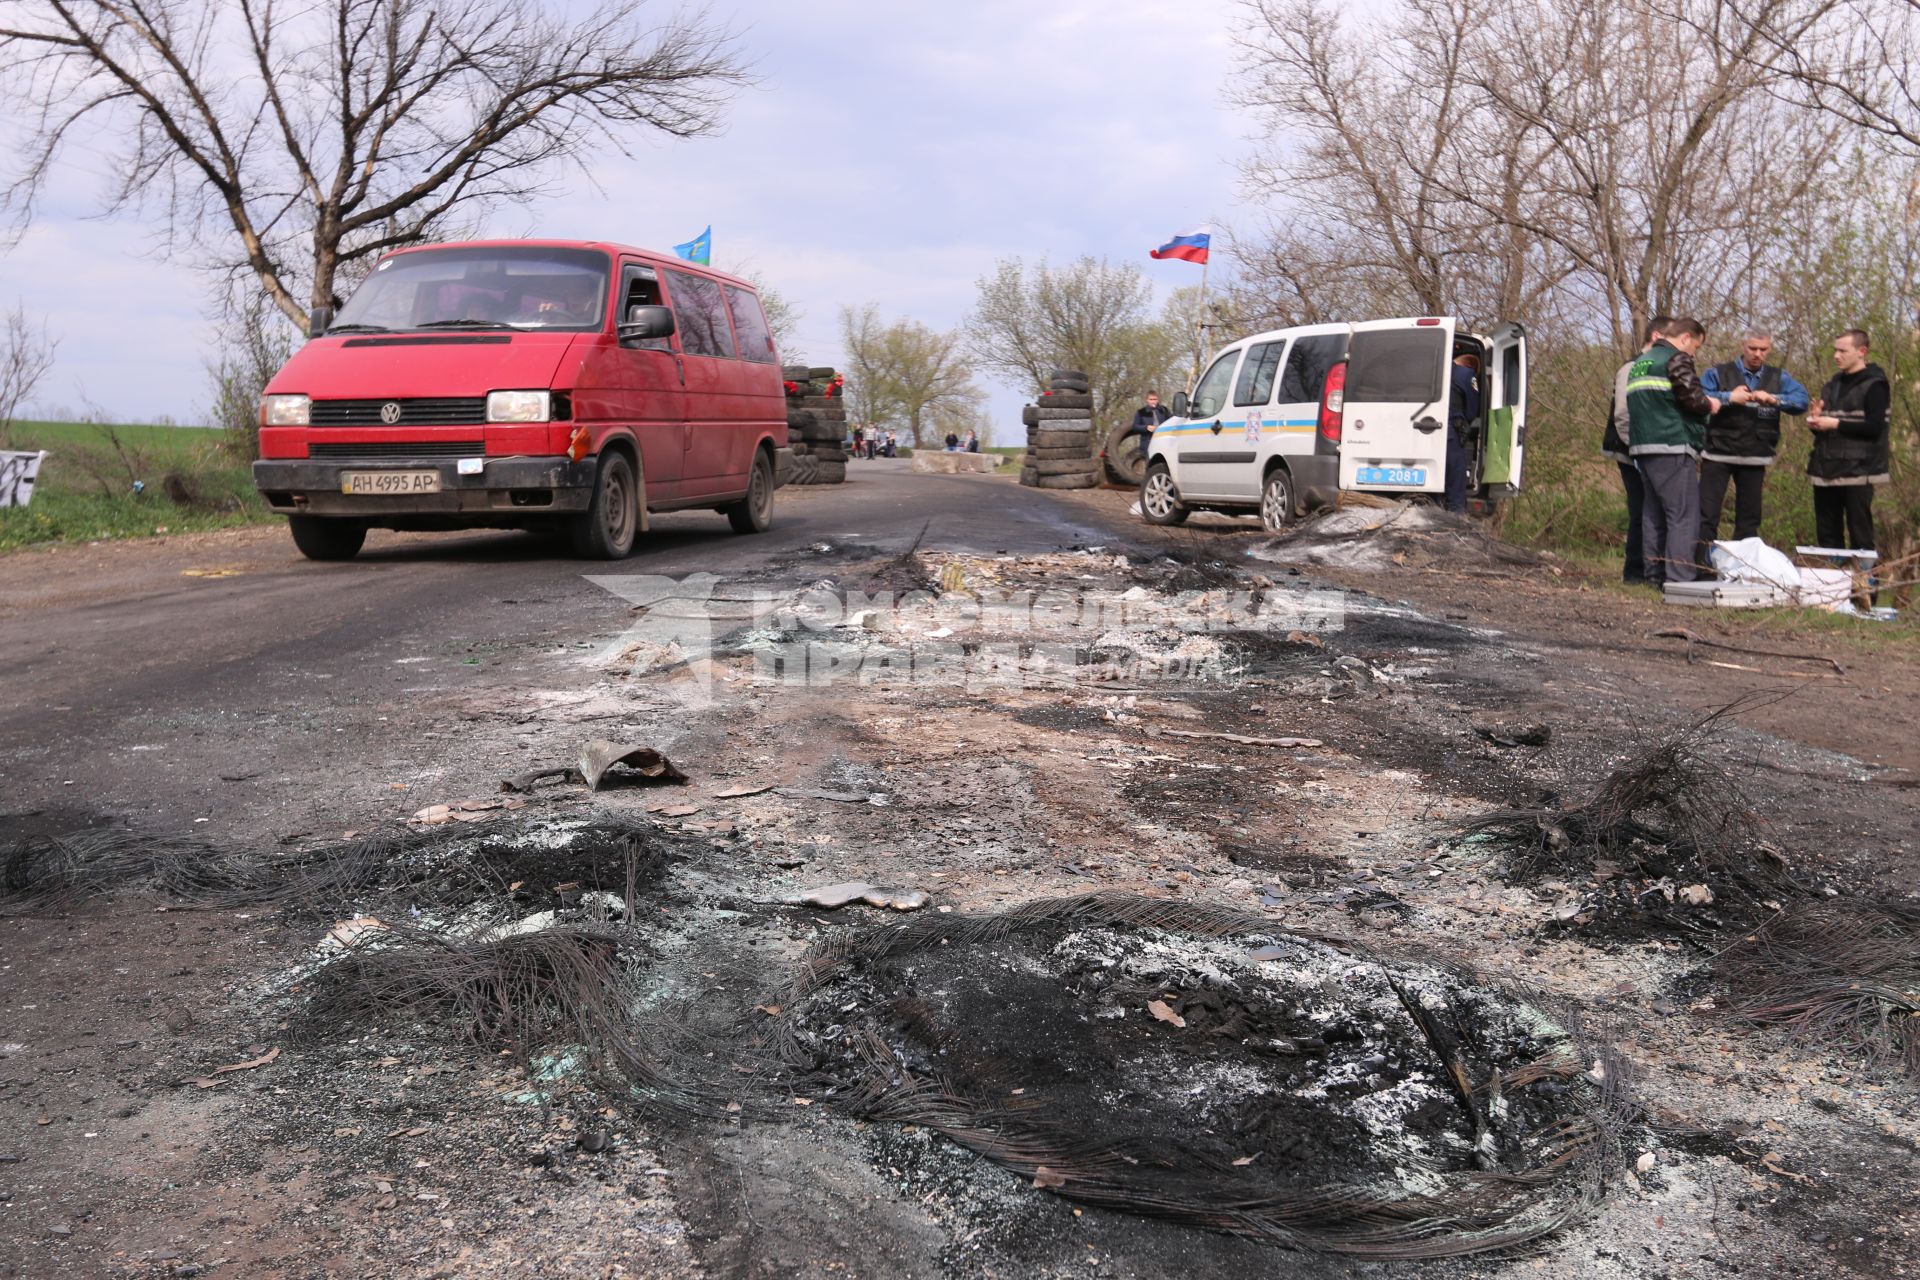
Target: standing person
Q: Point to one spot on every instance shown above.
(1148, 417)
(953, 443)
(1463, 407)
(859, 439)
(893, 443)
(1667, 415)
(1744, 437)
(973, 441)
(1850, 455)
(1613, 444)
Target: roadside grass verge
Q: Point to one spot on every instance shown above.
(104, 481)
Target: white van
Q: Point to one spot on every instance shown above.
(1281, 422)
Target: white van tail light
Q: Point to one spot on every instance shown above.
(1333, 399)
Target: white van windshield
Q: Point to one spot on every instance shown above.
(495, 287)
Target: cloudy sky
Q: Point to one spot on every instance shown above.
(890, 154)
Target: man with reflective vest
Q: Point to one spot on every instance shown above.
(1850, 456)
(1613, 444)
(1744, 436)
(1667, 416)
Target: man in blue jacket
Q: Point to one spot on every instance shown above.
(1744, 437)
(1463, 409)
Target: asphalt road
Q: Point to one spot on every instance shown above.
(145, 680)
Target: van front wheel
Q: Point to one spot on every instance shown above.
(1159, 500)
(606, 531)
(1276, 501)
(753, 513)
(322, 539)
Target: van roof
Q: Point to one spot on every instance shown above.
(1336, 326)
(607, 246)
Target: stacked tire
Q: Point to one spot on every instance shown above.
(1060, 448)
(816, 426)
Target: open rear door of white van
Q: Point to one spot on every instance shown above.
(1394, 435)
(1505, 410)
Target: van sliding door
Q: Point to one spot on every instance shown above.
(1394, 437)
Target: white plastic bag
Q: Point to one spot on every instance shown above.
(1751, 560)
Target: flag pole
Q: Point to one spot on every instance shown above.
(1200, 318)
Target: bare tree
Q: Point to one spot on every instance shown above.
(294, 142)
(255, 341)
(26, 354)
(1089, 315)
(903, 374)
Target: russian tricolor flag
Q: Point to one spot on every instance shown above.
(1188, 246)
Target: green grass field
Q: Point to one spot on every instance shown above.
(85, 491)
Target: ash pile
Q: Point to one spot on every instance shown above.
(1060, 435)
(816, 426)
(1393, 535)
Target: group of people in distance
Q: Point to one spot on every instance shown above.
(1682, 436)
(871, 443)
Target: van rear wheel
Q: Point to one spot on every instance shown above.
(322, 539)
(753, 513)
(606, 531)
(1159, 499)
(1276, 501)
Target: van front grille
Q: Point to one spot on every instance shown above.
(442, 411)
(399, 449)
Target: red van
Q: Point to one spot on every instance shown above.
(568, 385)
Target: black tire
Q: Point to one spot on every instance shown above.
(753, 513)
(830, 453)
(1065, 466)
(1082, 440)
(1044, 414)
(823, 373)
(1028, 475)
(797, 418)
(1070, 388)
(1071, 375)
(1126, 456)
(805, 469)
(611, 523)
(822, 433)
(832, 473)
(1029, 415)
(322, 539)
(811, 401)
(1078, 480)
(1057, 455)
(1277, 500)
(1160, 497)
(1066, 400)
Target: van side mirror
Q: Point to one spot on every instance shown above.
(319, 320)
(644, 324)
(1180, 404)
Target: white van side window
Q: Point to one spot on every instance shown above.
(1308, 364)
(1256, 376)
(1211, 395)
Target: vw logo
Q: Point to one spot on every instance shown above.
(390, 412)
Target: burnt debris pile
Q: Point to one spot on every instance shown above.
(1846, 971)
(1206, 1067)
(1667, 839)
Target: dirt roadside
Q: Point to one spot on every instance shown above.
(397, 1147)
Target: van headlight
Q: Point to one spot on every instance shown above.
(285, 411)
(519, 406)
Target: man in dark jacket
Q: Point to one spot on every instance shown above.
(1849, 423)
(1667, 416)
(1463, 409)
(1149, 416)
(1744, 436)
(1613, 444)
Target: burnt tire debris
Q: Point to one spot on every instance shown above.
(1213, 1069)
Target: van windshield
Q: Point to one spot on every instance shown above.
(1396, 365)
(485, 288)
